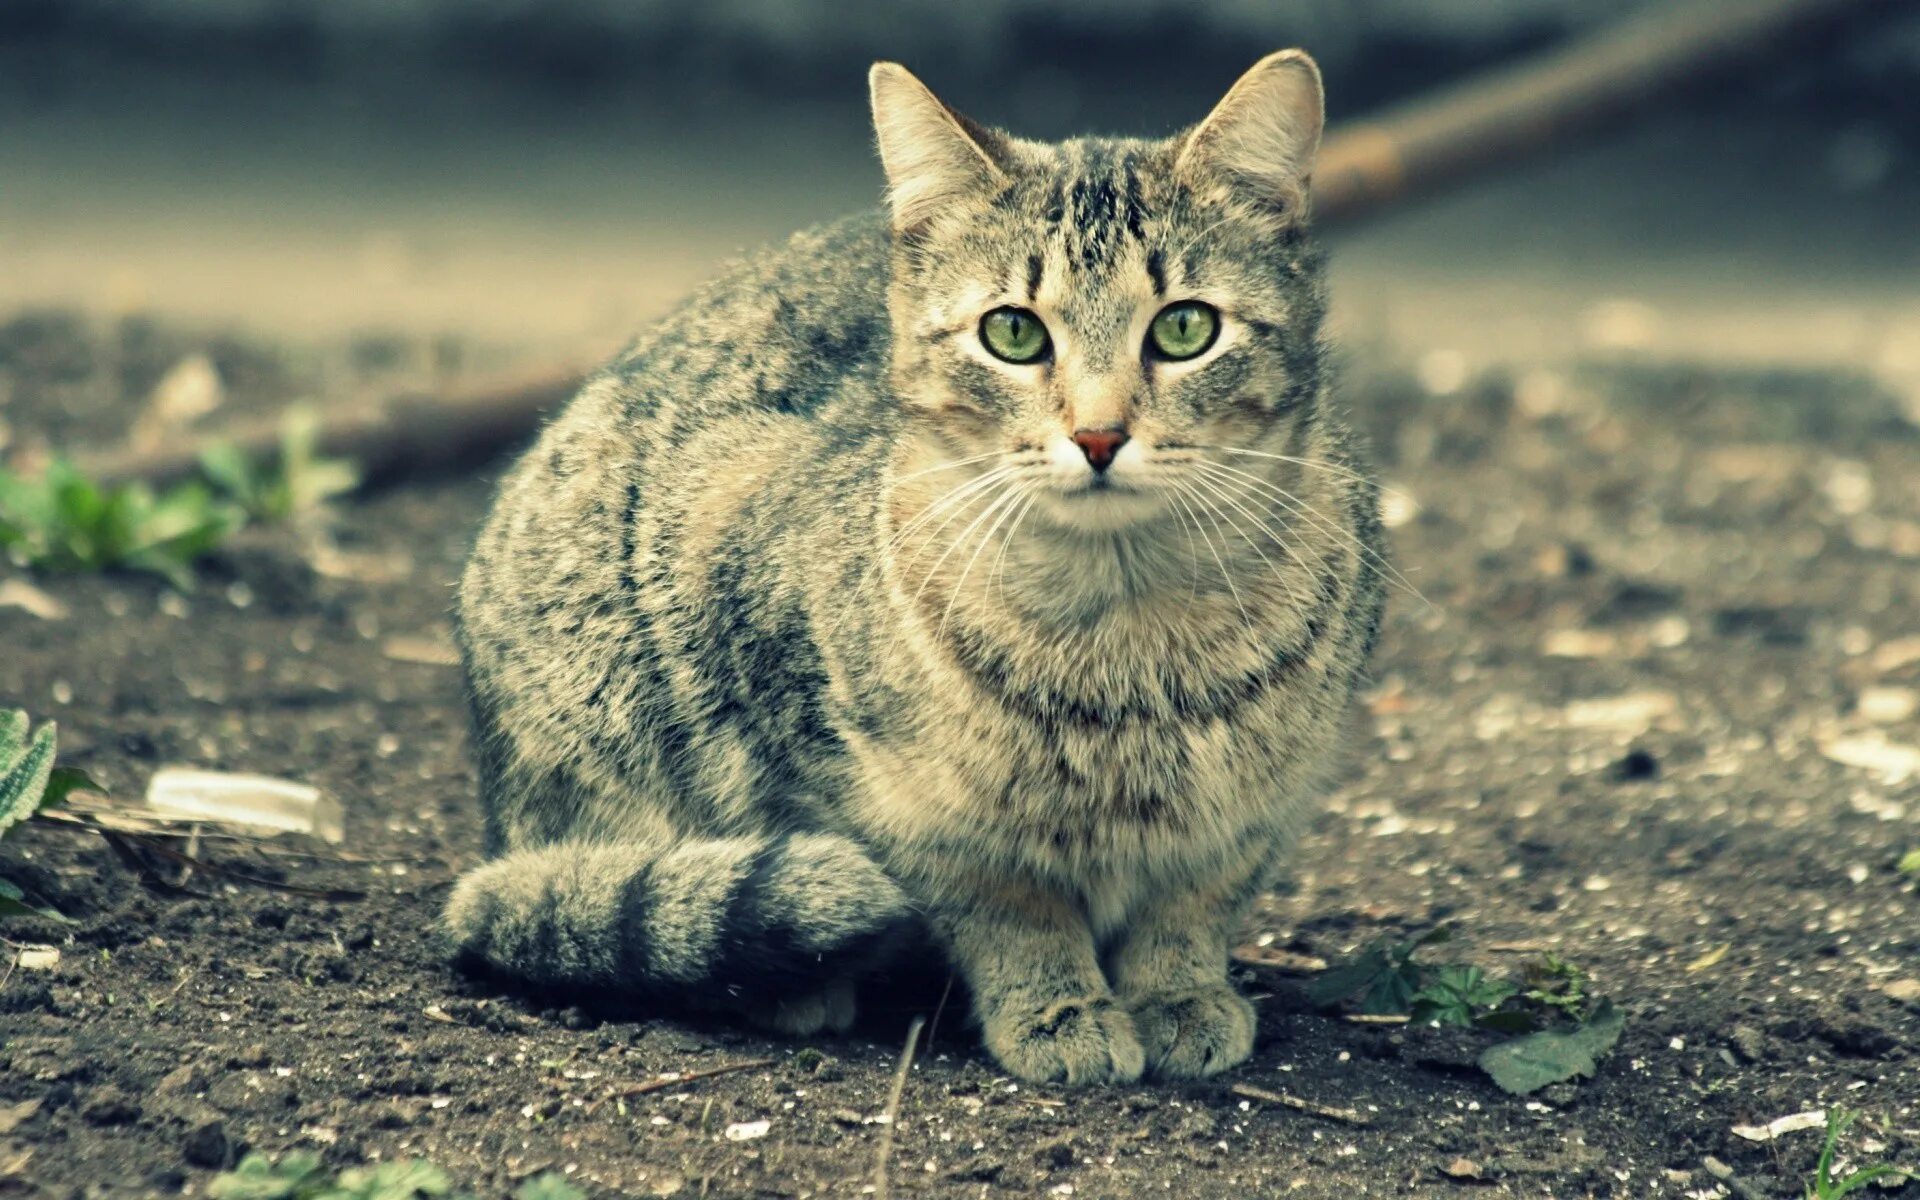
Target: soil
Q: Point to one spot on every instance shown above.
(1648, 716)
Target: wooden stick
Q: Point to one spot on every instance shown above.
(661, 1085)
(1584, 88)
(1346, 1116)
(882, 1184)
(410, 435)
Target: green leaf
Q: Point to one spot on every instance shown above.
(404, 1180)
(13, 903)
(1530, 1063)
(1457, 994)
(226, 465)
(24, 773)
(1392, 992)
(1331, 987)
(1910, 863)
(1385, 976)
(64, 782)
(62, 521)
(550, 1185)
(295, 1177)
(300, 482)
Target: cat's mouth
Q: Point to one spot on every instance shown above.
(1102, 503)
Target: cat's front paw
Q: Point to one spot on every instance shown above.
(1082, 1039)
(1194, 1033)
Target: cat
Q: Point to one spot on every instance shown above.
(985, 577)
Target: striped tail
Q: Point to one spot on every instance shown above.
(722, 922)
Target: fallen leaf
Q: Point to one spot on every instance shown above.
(12, 1116)
(1893, 762)
(18, 593)
(1880, 705)
(37, 958)
(1579, 643)
(1889, 657)
(1635, 710)
(1274, 959)
(1906, 991)
(189, 390)
(15, 1166)
(228, 797)
(747, 1131)
(1711, 958)
(428, 651)
(1462, 1168)
(1530, 1063)
(1779, 1126)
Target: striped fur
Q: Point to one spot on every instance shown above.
(804, 634)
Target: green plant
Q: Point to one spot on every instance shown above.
(1824, 1185)
(1554, 983)
(298, 485)
(1566, 1030)
(63, 521)
(1461, 996)
(29, 783)
(551, 1185)
(1910, 863)
(300, 1175)
(1385, 976)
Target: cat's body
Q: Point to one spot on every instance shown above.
(798, 641)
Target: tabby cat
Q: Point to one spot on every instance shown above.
(989, 575)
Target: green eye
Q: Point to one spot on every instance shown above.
(1014, 334)
(1185, 329)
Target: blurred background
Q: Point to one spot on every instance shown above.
(1648, 696)
(542, 175)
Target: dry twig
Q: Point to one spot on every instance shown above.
(679, 1077)
(881, 1186)
(1347, 1116)
(126, 843)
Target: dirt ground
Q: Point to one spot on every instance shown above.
(1653, 713)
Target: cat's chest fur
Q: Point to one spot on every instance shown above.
(1110, 747)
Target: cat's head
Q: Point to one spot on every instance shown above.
(1100, 318)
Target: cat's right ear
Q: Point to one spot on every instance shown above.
(932, 155)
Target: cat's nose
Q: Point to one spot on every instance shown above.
(1100, 445)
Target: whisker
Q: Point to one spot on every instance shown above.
(948, 465)
(1226, 576)
(1266, 505)
(1319, 464)
(986, 539)
(904, 576)
(953, 494)
(998, 577)
(999, 499)
(1306, 512)
(955, 502)
(1273, 568)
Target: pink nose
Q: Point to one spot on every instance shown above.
(1100, 445)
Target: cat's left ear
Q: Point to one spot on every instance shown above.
(1260, 140)
(933, 156)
